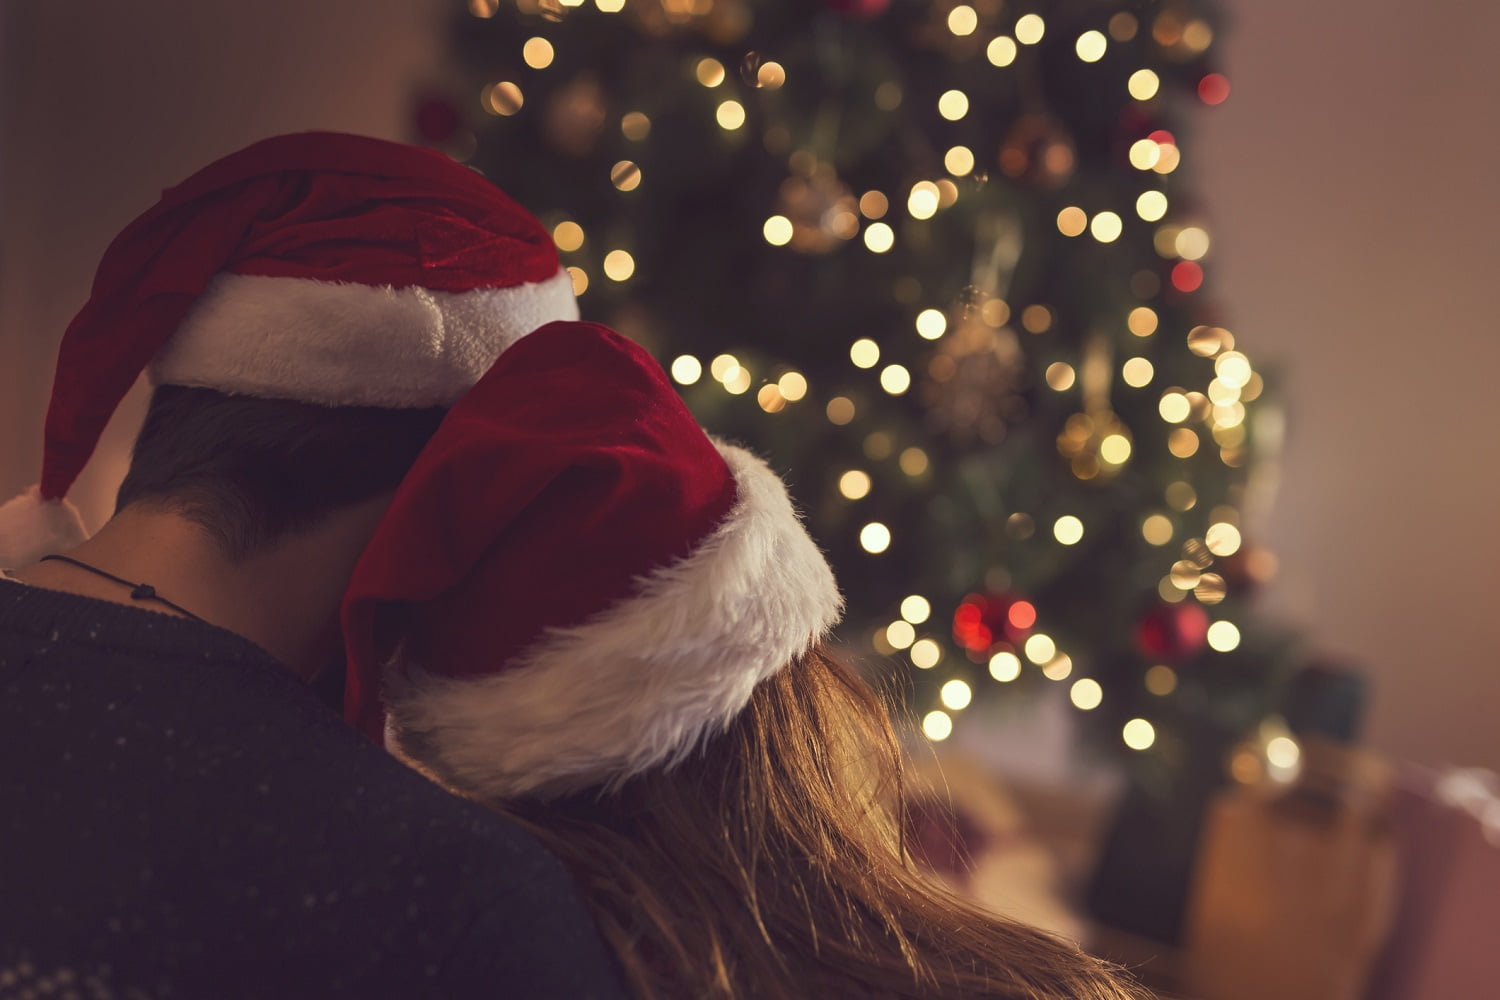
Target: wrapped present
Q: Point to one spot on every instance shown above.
(1443, 944)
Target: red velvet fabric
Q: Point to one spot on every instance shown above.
(568, 472)
(317, 205)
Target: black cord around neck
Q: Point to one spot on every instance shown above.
(138, 591)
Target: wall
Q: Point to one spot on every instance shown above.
(1350, 177)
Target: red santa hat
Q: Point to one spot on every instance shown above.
(575, 584)
(318, 267)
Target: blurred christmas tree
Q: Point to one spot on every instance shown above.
(935, 260)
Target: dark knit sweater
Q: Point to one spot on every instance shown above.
(180, 817)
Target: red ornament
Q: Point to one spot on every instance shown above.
(436, 119)
(983, 620)
(861, 10)
(1172, 632)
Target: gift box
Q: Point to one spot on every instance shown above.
(1443, 945)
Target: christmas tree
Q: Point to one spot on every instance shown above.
(935, 260)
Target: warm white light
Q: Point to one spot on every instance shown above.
(610, 6)
(879, 237)
(738, 381)
(1223, 637)
(1143, 84)
(1091, 45)
(926, 654)
(1192, 243)
(1040, 648)
(916, 609)
(1223, 539)
(875, 538)
(937, 726)
(579, 278)
(618, 265)
(1137, 372)
(931, 324)
(686, 369)
(1283, 752)
(1233, 369)
(956, 695)
(854, 484)
(1106, 227)
(900, 634)
(1086, 694)
(1157, 529)
(959, 161)
(1058, 668)
(1174, 407)
(953, 105)
(793, 386)
(1115, 449)
(1151, 206)
(537, 52)
(568, 236)
(1068, 530)
(864, 352)
(777, 230)
(1145, 154)
(1139, 734)
(922, 203)
(1005, 667)
(962, 20)
(1030, 28)
(710, 72)
(731, 115)
(1001, 51)
(895, 379)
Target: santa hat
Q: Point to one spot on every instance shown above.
(575, 584)
(318, 267)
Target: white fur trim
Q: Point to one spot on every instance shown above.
(31, 527)
(349, 344)
(641, 684)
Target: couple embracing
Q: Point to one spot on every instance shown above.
(433, 649)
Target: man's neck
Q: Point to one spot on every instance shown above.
(284, 599)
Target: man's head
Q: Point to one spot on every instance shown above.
(319, 268)
(251, 472)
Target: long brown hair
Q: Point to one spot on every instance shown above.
(771, 864)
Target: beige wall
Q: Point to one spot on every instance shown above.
(1350, 178)
(1354, 178)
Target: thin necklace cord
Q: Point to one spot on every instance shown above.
(138, 591)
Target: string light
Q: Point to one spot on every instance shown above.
(537, 52)
(874, 205)
(864, 352)
(1072, 221)
(1114, 450)
(916, 609)
(953, 105)
(722, 366)
(1283, 752)
(1091, 46)
(568, 236)
(770, 399)
(1068, 530)
(484, 8)
(1106, 227)
(1086, 694)
(875, 538)
(959, 161)
(1059, 668)
(1192, 243)
(1174, 407)
(738, 382)
(962, 20)
(793, 385)
(610, 6)
(618, 265)
(1143, 84)
(926, 654)
(931, 324)
(731, 115)
(635, 126)
(1005, 666)
(1138, 734)
(1036, 319)
(1144, 154)
(1137, 372)
(879, 237)
(913, 462)
(1161, 680)
(1223, 636)
(895, 379)
(777, 230)
(710, 72)
(1157, 529)
(1213, 89)
(956, 695)
(625, 175)
(1151, 206)
(888, 96)
(922, 202)
(1040, 648)
(1001, 51)
(686, 369)
(1233, 369)
(1183, 442)
(580, 280)
(1223, 539)
(1030, 28)
(900, 634)
(854, 484)
(1142, 321)
(770, 75)
(937, 726)
(503, 98)
(840, 410)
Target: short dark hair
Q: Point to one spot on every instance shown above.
(252, 471)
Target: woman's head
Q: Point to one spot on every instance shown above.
(770, 862)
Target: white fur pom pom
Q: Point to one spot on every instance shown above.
(31, 527)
